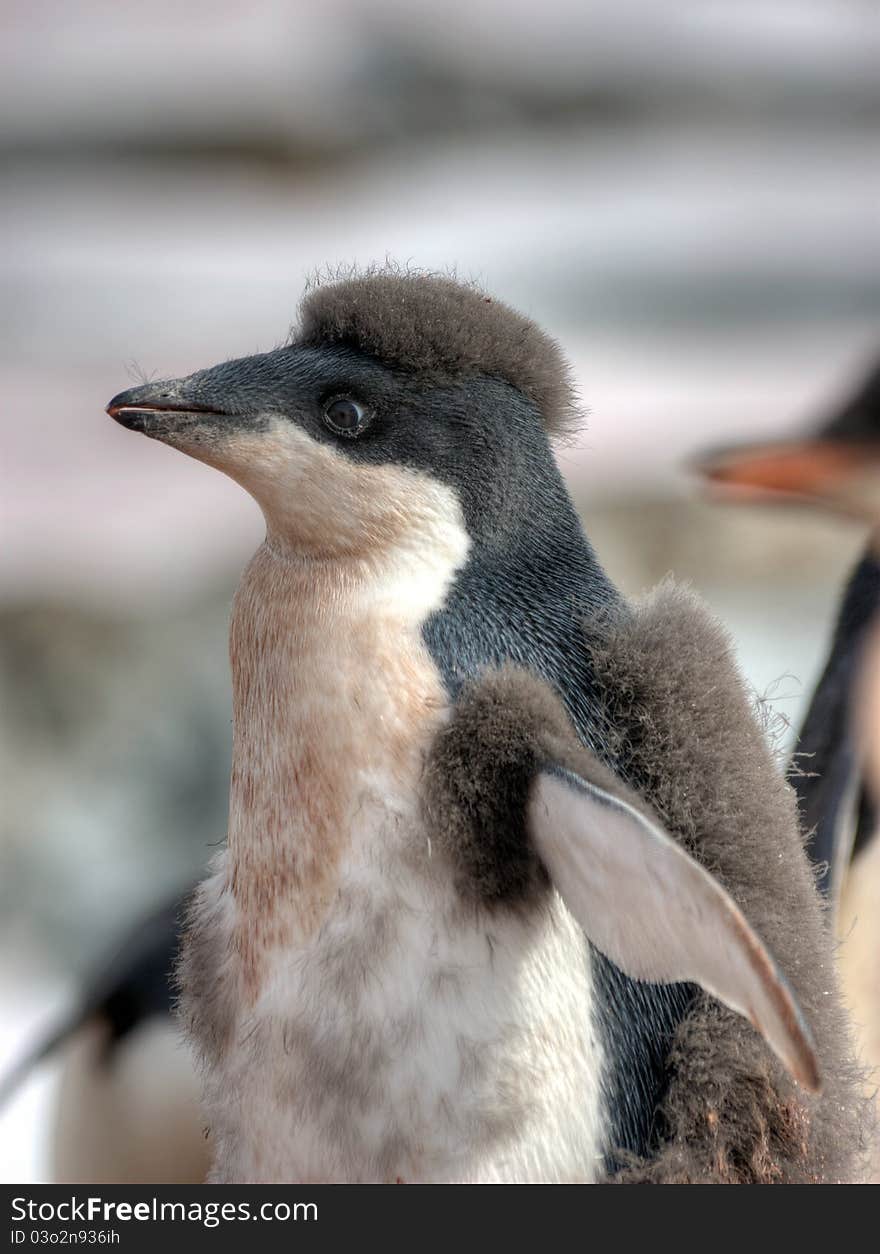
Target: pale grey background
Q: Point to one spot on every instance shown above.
(685, 192)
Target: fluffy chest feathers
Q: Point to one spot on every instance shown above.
(334, 702)
(358, 1021)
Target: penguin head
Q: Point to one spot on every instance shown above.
(403, 402)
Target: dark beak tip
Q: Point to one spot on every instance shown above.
(118, 402)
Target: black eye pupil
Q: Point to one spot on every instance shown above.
(345, 416)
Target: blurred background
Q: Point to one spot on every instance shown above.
(686, 193)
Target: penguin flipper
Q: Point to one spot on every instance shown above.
(658, 915)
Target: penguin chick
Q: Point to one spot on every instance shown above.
(395, 972)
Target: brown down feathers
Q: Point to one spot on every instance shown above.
(679, 729)
(439, 327)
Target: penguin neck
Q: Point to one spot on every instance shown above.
(334, 694)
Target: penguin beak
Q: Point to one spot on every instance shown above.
(843, 476)
(210, 407)
(164, 411)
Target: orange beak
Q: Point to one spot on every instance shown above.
(821, 471)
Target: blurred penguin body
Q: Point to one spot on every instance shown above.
(129, 1113)
(462, 917)
(837, 809)
(859, 914)
(859, 930)
(127, 1109)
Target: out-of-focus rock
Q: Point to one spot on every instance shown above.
(114, 744)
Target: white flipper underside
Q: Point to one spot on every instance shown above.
(657, 914)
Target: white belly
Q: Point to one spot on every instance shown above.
(411, 1039)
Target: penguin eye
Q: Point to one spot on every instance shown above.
(345, 416)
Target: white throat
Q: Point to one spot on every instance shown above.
(333, 691)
